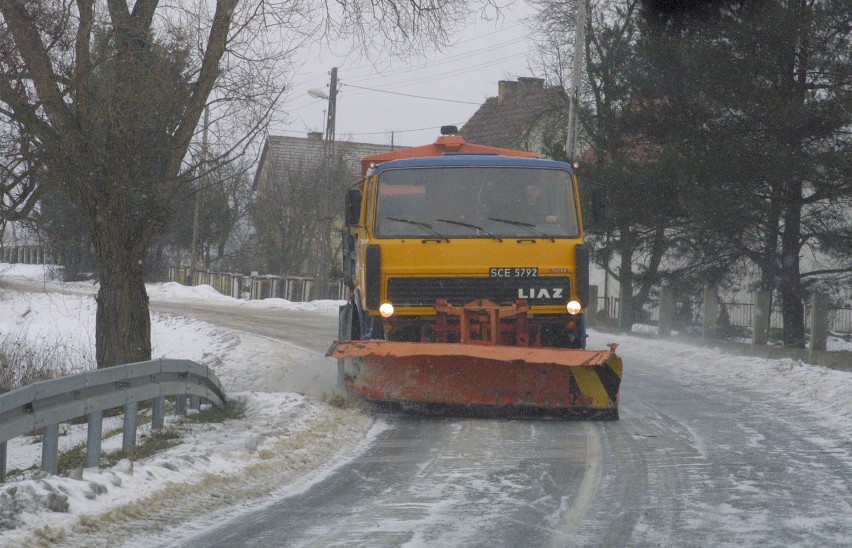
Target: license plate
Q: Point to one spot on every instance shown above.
(514, 272)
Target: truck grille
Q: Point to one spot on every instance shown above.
(503, 291)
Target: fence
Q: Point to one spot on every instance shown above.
(740, 314)
(256, 286)
(709, 316)
(26, 254)
(735, 314)
(48, 403)
(236, 285)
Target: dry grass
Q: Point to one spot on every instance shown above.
(153, 443)
(24, 361)
(234, 409)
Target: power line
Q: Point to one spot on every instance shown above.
(448, 60)
(455, 72)
(409, 76)
(410, 95)
(353, 70)
(397, 130)
(443, 61)
(417, 80)
(385, 132)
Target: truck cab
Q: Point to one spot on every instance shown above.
(453, 223)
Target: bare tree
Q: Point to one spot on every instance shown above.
(285, 218)
(616, 157)
(227, 206)
(298, 210)
(102, 101)
(223, 197)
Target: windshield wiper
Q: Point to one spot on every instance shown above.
(468, 225)
(529, 226)
(420, 224)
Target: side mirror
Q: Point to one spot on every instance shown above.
(353, 206)
(598, 216)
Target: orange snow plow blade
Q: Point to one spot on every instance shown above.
(476, 379)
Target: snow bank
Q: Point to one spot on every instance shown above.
(287, 433)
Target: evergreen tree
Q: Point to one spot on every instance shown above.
(721, 130)
(775, 76)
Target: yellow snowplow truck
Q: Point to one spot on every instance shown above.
(469, 280)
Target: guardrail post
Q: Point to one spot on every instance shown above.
(3, 458)
(50, 449)
(128, 440)
(93, 439)
(180, 404)
(760, 318)
(667, 308)
(158, 412)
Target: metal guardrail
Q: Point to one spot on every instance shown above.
(46, 404)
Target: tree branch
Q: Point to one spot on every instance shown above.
(827, 271)
(27, 38)
(216, 45)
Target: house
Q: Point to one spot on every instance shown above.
(525, 115)
(301, 183)
(282, 153)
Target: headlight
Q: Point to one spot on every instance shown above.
(573, 307)
(386, 310)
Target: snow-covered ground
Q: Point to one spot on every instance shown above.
(251, 368)
(299, 438)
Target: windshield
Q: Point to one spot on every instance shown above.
(476, 202)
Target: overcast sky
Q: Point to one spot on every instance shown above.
(468, 72)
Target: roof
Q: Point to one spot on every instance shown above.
(510, 119)
(281, 152)
(473, 160)
(445, 144)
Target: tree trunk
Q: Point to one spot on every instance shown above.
(651, 274)
(769, 261)
(625, 282)
(123, 323)
(792, 296)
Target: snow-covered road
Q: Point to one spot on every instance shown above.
(712, 449)
(716, 450)
(703, 455)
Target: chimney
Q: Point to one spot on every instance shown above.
(529, 85)
(506, 90)
(315, 135)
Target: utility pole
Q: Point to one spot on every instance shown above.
(332, 106)
(576, 76)
(326, 216)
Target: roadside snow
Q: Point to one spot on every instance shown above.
(824, 393)
(284, 436)
(38, 506)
